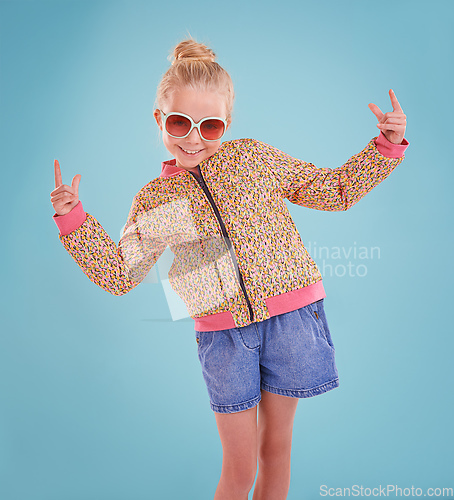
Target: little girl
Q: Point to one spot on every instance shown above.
(250, 285)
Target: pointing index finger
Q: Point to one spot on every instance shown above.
(394, 101)
(57, 171)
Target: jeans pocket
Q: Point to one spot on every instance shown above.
(204, 340)
(317, 310)
(322, 316)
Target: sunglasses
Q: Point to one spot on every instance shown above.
(179, 125)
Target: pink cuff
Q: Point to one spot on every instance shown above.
(389, 149)
(71, 221)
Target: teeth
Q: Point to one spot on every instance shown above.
(191, 152)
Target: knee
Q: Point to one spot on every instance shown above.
(240, 473)
(274, 455)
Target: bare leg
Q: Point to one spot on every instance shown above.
(275, 427)
(238, 433)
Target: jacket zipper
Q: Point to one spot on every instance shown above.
(204, 187)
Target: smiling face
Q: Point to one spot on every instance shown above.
(197, 104)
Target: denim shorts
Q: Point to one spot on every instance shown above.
(291, 354)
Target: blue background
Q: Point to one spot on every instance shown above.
(102, 397)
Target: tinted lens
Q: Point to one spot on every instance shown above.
(177, 125)
(212, 129)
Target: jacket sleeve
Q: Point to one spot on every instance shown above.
(332, 189)
(116, 269)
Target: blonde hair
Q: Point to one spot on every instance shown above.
(194, 66)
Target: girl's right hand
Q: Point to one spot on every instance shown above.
(64, 198)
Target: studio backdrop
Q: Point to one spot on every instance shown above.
(102, 397)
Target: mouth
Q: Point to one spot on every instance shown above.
(191, 153)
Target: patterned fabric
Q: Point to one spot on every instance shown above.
(248, 181)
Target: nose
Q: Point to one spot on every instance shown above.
(194, 136)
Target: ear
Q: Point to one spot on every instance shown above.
(157, 116)
(229, 121)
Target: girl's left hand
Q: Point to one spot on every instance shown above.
(393, 123)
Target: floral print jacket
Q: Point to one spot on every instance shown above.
(238, 256)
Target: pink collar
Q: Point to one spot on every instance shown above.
(169, 169)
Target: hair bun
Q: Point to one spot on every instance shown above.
(190, 50)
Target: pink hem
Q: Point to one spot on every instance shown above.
(295, 299)
(390, 150)
(71, 221)
(279, 304)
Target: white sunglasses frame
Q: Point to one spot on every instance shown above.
(193, 125)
